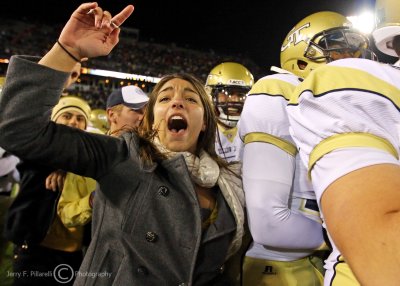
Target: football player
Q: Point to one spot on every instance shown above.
(282, 209)
(228, 84)
(345, 121)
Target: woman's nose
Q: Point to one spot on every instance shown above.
(177, 103)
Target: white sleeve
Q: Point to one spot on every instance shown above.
(267, 181)
(338, 100)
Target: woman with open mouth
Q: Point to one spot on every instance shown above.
(170, 211)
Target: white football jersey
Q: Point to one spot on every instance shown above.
(345, 104)
(231, 146)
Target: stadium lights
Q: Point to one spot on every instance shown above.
(364, 22)
(120, 75)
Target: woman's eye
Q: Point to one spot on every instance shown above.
(163, 99)
(191, 99)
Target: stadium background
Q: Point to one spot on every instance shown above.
(166, 36)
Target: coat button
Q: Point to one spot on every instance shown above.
(222, 269)
(151, 236)
(163, 191)
(142, 270)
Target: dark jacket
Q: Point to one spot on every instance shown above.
(33, 210)
(146, 219)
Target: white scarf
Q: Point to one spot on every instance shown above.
(204, 171)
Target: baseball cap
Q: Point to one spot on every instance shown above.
(130, 96)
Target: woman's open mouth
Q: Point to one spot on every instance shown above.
(177, 124)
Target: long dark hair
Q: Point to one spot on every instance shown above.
(206, 140)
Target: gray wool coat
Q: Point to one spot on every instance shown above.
(146, 219)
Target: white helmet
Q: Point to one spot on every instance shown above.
(387, 20)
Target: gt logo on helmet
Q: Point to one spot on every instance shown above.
(295, 37)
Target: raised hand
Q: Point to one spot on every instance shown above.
(92, 31)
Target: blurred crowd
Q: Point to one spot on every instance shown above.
(130, 56)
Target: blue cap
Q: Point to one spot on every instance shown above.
(130, 96)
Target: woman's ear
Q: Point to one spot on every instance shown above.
(203, 128)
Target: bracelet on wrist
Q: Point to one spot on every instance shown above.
(65, 50)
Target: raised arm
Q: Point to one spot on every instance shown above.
(32, 88)
(90, 32)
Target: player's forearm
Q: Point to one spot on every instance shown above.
(273, 223)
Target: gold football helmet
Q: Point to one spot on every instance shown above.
(228, 84)
(387, 20)
(320, 38)
(98, 120)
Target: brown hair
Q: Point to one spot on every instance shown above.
(206, 140)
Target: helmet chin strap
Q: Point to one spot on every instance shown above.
(230, 123)
(225, 119)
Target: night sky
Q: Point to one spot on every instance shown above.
(252, 28)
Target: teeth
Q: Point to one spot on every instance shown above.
(177, 124)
